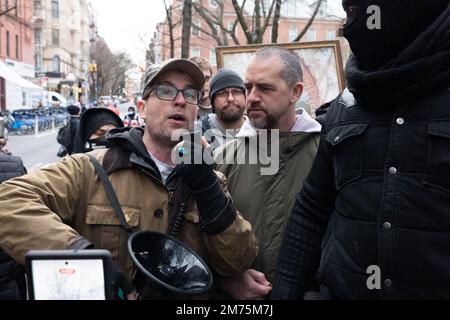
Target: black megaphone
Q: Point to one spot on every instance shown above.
(166, 268)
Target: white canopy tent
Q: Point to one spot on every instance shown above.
(20, 92)
(10, 75)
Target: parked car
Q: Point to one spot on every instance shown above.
(53, 99)
(115, 99)
(106, 100)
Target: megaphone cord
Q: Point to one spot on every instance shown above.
(179, 220)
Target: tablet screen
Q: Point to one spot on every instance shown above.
(68, 280)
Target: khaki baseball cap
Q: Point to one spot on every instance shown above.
(183, 65)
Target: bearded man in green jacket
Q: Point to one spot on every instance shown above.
(285, 143)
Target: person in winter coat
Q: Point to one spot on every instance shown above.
(285, 144)
(378, 195)
(227, 97)
(74, 212)
(74, 112)
(131, 119)
(12, 276)
(95, 123)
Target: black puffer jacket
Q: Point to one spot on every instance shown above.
(380, 183)
(10, 167)
(74, 124)
(12, 281)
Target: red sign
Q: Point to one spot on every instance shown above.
(67, 271)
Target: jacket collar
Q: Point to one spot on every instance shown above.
(304, 123)
(128, 150)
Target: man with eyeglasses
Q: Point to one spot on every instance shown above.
(64, 206)
(227, 95)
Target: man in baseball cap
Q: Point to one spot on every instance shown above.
(188, 201)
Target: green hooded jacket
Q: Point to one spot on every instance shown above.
(266, 200)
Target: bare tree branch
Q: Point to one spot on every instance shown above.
(243, 23)
(211, 23)
(267, 19)
(310, 22)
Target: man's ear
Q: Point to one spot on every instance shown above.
(297, 92)
(141, 106)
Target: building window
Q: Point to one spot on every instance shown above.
(292, 8)
(17, 47)
(293, 32)
(331, 34)
(323, 9)
(230, 28)
(38, 62)
(37, 36)
(7, 44)
(37, 5)
(55, 9)
(212, 57)
(195, 52)
(230, 25)
(55, 37)
(56, 64)
(196, 28)
(213, 3)
(312, 34)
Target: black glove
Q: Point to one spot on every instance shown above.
(121, 287)
(216, 211)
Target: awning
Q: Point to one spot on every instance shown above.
(11, 75)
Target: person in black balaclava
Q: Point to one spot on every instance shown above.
(372, 219)
(408, 56)
(95, 123)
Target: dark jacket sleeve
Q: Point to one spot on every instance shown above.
(300, 252)
(74, 124)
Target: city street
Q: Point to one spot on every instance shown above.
(35, 151)
(38, 151)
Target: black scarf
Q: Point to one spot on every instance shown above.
(420, 69)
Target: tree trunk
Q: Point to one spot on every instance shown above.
(257, 25)
(186, 29)
(171, 27)
(276, 19)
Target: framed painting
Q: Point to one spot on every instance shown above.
(323, 72)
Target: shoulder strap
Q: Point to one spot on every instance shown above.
(110, 193)
(205, 124)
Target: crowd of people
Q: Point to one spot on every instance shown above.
(291, 207)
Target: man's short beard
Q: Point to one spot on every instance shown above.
(265, 123)
(232, 117)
